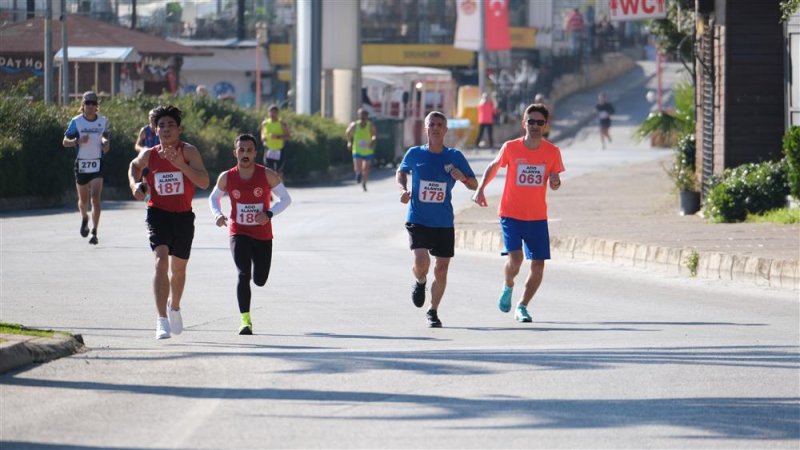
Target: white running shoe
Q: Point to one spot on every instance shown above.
(175, 319)
(162, 328)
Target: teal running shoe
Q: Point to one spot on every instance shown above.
(504, 303)
(521, 314)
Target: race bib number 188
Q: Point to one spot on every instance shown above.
(432, 191)
(530, 175)
(169, 183)
(246, 213)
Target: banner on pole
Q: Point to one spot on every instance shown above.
(621, 10)
(468, 25)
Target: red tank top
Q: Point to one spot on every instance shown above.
(248, 198)
(170, 189)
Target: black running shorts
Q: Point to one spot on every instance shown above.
(173, 229)
(440, 241)
(84, 178)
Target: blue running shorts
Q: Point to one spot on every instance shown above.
(534, 234)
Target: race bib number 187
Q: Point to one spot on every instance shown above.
(169, 183)
(530, 175)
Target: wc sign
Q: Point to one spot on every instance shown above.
(637, 9)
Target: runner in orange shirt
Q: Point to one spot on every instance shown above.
(531, 164)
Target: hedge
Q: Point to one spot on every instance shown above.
(33, 161)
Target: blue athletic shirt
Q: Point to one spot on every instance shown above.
(431, 184)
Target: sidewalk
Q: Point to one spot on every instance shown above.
(628, 216)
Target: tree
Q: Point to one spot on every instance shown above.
(789, 7)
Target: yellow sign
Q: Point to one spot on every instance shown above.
(416, 55)
(522, 37)
(280, 54)
(392, 54)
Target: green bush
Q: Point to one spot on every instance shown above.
(749, 188)
(683, 164)
(791, 148)
(34, 162)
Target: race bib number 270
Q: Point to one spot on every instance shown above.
(88, 165)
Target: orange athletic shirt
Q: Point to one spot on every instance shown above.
(527, 174)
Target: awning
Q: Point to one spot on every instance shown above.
(99, 55)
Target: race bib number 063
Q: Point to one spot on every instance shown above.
(169, 183)
(530, 175)
(246, 213)
(432, 191)
(88, 165)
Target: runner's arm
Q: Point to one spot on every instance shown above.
(402, 181)
(139, 146)
(277, 187)
(214, 200)
(194, 168)
(135, 168)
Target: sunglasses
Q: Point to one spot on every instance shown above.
(536, 122)
(90, 103)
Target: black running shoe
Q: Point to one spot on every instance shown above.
(93, 239)
(84, 227)
(418, 294)
(433, 319)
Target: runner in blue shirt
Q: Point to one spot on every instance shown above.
(434, 171)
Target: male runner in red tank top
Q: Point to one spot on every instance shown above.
(173, 169)
(250, 187)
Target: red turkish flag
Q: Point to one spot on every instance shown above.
(498, 36)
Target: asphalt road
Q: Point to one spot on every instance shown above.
(615, 358)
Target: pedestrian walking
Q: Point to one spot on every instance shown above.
(169, 172)
(604, 112)
(434, 170)
(89, 132)
(539, 98)
(274, 133)
(147, 135)
(486, 113)
(361, 139)
(250, 187)
(531, 164)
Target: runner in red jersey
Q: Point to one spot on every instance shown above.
(171, 171)
(250, 187)
(531, 164)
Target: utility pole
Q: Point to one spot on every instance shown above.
(48, 53)
(482, 48)
(65, 57)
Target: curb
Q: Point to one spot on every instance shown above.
(762, 272)
(21, 350)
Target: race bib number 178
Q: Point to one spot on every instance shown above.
(432, 191)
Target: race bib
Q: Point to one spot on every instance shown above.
(604, 115)
(530, 175)
(363, 143)
(432, 191)
(169, 183)
(246, 213)
(88, 165)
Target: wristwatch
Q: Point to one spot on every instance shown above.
(269, 214)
